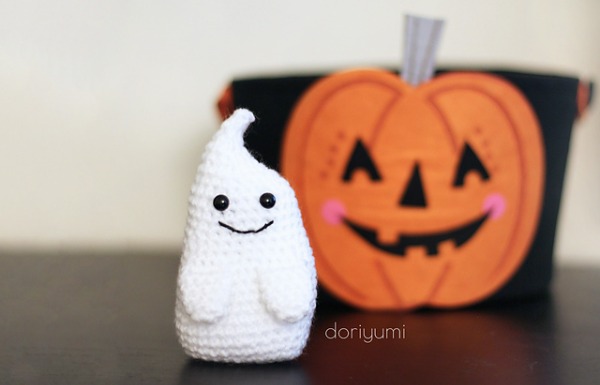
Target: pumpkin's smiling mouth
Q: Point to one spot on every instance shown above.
(233, 229)
(459, 235)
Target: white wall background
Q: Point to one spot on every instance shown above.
(105, 105)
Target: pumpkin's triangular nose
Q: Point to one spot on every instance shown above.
(414, 195)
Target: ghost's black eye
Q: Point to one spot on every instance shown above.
(469, 161)
(221, 202)
(267, 200)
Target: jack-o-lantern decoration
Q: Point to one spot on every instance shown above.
(415, 196)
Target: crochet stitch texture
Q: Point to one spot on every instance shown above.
(246, 288)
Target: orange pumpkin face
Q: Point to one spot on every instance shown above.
(415, 196)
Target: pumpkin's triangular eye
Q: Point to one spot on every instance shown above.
(469, 161)
(360, 159)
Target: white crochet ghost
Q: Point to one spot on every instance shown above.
(247, 284)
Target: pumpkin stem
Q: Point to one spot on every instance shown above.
(421, 41)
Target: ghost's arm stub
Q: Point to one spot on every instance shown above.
(204, 290)
(287, 287)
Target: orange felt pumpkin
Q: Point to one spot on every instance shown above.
(415, 196)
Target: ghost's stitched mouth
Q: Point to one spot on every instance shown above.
(245, 231)
(459, 235)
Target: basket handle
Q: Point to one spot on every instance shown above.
(585, 95)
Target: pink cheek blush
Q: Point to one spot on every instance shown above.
(333, 211)
(495, 205)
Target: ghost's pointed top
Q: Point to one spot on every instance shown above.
(226, 154)
(235, 126)
(231, 132)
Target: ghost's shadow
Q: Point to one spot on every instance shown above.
(201, 372)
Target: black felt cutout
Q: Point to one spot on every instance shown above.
(469, 161)
(360, 160)
(459, 235)
(414, 195)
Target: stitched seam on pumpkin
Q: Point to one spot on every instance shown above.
(379, 124)
(516, 138)
(445, 122)
(438, 283)
(388, 283)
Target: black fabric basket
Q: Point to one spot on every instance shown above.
(557, 101)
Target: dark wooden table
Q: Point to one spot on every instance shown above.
(106, 318)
